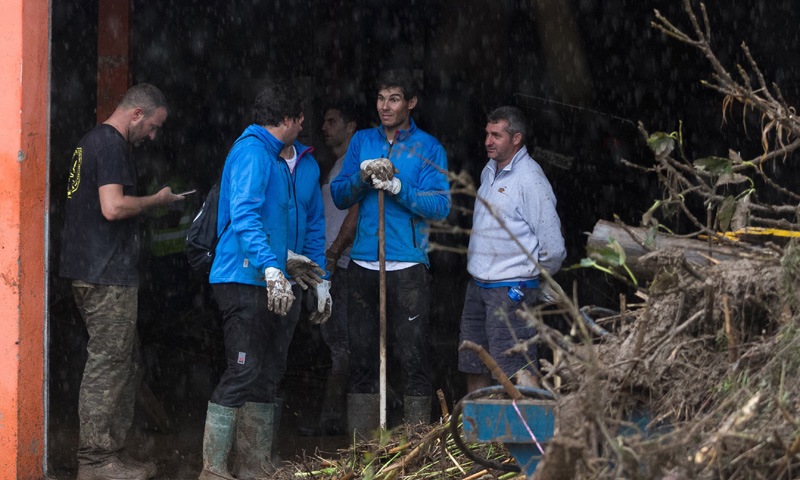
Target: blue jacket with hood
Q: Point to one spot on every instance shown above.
(254, 196)
(306, 211)
(424, 193)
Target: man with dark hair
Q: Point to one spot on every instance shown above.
(99, 253)
(252, 224)
(410, 166)
(338, 126)
(515, 204)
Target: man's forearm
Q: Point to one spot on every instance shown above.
(347, 233)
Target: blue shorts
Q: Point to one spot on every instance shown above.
(483, 321)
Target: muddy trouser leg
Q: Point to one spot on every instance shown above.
(363, 328)
(105, 404)
(408, 307)
(334, 333)
(245, 321)
(280, 330)
(363, 402)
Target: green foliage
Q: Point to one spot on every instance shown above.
(725, 212)
(716, 166)
(606, 259)
(661, 143)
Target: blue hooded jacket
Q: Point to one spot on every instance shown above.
(255, 192)
(306, 211)
(424, 193)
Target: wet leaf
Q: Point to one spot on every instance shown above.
(661, 143)
(725, 212)
(612, 254)
(714, 165)
(731, 179)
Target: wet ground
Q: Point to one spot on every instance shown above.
(178, 451)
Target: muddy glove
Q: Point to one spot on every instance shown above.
(302, 270)
(279, 291)
(377, 169)
(324, 303)
(392, 186)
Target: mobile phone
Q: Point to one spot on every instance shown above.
(186, 193)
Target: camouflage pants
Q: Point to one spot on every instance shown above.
(108, 388)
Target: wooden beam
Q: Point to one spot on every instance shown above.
(113, 59)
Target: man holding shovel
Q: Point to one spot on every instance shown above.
(398, 167)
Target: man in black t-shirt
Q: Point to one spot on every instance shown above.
(99, 253)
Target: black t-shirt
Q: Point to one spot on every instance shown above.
(94, 249)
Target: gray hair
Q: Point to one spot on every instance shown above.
(514, 117)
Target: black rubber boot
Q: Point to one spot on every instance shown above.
(217, 442)
(363, 414)
(416, 410)
(255, 428)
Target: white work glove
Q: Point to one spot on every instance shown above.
(279, 291)
(377, 169)
(392, 186)
(324, 303)
(302, 270)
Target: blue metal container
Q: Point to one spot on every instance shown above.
(489, 420)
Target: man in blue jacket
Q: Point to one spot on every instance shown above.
(248, 277)
(411, 167)
(305, 262)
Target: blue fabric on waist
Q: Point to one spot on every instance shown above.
(534, 283)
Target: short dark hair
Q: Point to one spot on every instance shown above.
(400, 78)
(347, 110)
(276, 102)
(514, 117)
(145, 96)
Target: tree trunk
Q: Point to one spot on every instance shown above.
(697, 252)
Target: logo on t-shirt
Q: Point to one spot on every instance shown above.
(75, 173)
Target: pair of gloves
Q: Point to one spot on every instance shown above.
(306, 273)
(380, 171)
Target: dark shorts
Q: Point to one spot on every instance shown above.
(489, 320)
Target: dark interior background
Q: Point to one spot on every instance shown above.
(584, 71)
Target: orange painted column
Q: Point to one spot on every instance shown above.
(24, 74)
(113, 45)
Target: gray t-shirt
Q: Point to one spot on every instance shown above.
(333, 216)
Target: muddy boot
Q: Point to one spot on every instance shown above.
(417, 410)
(363, 414)
(255, 428)
(113, 469)
(149, 468)
(217, 441)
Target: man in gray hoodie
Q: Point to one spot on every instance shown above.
(515, 207)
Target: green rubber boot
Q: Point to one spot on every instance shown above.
(217, 442)
(416, 410)
(363, 414)
(255, 428)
